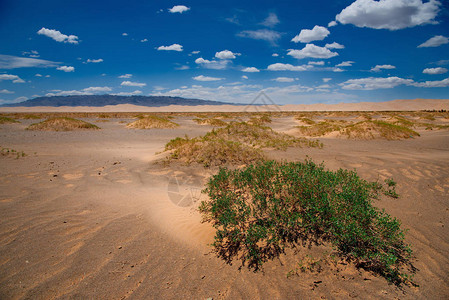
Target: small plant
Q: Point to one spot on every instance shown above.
(11, 152)
(261, 209)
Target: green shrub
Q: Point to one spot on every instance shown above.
(259, 210)
(6, 120)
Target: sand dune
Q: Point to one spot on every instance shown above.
(93, 215)
(395, 105)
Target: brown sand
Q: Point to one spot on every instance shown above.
(89, 215)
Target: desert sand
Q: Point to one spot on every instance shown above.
(96, 215)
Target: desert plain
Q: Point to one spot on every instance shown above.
(102, 214)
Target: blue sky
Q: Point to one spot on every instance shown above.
(297, 52)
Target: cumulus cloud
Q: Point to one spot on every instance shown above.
(332, 24)
(6, 92)
(95, 61)
(285, 67)
(389, 14)
(13, 78)
(433, 84)
(66, 68)
(212, 64)
(271, 21)
(261, 34)
(127, 76)
(206, 78)
(434, 71)
(97, 89)
(436, 41)
(244, 77)
(174, 47)
(372, 83)
(283, 79)
(124, 34)
(316, 63)
(130, 83)
(275, 55)
(144, 40)
(318, 33)
(334, 45)
(327, 79)
(345, 64)
(313, 51)
(135, 93)
(13, 62)
(378, 68)
(178, 9)
(58, 36)
(226, 54)
(251, 70)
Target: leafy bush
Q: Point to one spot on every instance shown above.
(259, 210)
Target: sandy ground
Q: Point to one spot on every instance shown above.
(89, 214)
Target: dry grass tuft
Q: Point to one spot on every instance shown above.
(149, 122)
(211, 121)
(322, 128)
(62, 124)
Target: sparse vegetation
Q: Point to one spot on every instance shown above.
(210, 121)
(377, 129)
(263, 208)
(7, 120)
(62, 124)
(150, 121)
(237, 143)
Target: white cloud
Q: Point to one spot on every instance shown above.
(6, 92)
(195, 52)
(275, 55)
(66, 68)
(95, 61)
(178, 9)
(378, 68)
(433, 71)
(13, 78)
(389, 14)
(261, 34)
(174, 47)
(182, 67)
(337, 70)
(334, 45)
(316, 63)
(332, 24)
(135, 93)
(127, 76)
(318, 33)
(244, 77)
(251, 70)
(271, 21)
(87, 91)
(372, 83)
(124, 34)
(97, 89)
(32, 53)
(212, 64)
(38, 75)
(285, 67)
(226, 54)
(431, 84)
(13, 62)
(206, 78)
(436, 41)
(313, 51)
(58, 36)
(345, 64)
(130, 83)
(144, 40)
(327, 79)
(284, 79)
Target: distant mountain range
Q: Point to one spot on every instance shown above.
(103, 100)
